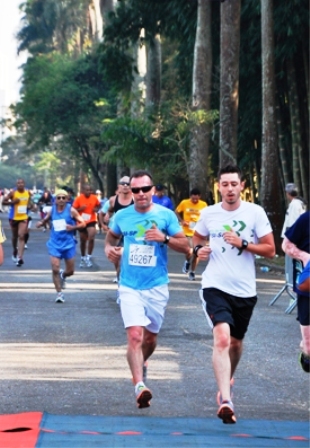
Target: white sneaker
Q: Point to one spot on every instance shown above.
(82, 262)
(14, 259)
(115, 280)
(60, 298)
(88, 262)
(26, 247)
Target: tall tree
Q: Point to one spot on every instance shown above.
(229, 89)
(202, 71)
(270, 185)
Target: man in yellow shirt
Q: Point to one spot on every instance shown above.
(188, 213)
(19, 199)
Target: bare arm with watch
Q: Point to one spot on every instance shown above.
(177, 242)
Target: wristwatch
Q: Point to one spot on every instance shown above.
(244, 244)
(167, 239)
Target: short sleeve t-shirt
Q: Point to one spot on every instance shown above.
(231, 269)
(88, 214)
(144, 263)
(191, 213)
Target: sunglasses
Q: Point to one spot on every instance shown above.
(61, 198)
(145, 189)
(124, 183)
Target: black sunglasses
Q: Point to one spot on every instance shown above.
(124, 183)
(145, 189)
(61, 198)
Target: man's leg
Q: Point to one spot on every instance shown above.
(221, 358)
(22, 230)
(14, 229)
(305, 348)
(227, 352)
(83, 239)
(91, 232)
(135, 357)
(55, 263)
(69, 268)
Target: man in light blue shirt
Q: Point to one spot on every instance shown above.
(147, 229)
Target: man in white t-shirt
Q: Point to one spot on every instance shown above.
(235, 231)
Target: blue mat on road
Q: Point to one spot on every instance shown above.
(95, 431)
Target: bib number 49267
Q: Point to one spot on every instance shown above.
(142, 255)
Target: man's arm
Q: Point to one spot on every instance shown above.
(80, 221)
(265, 246)
(177, 242)
(292, 251)
(111, 250)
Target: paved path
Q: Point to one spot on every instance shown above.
(70, 358)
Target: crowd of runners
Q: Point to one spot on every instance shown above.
(140, 223)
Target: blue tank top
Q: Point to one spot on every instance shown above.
(59, 237)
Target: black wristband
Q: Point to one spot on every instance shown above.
(196, 249)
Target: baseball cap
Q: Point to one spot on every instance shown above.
(160, 187)
(125, 179)
(290, 188)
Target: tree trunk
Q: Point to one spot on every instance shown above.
(283, 153)
(138, 86)
(270, 185)
(153, 79)
(201, 93)
(295, 124)
(229, 88)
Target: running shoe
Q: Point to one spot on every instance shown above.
(115, 280)
(143, 397)
(60, 298)
(219, 395)
(185, 268)
(145, 366)
(88, 262)
(304, 361)
(19, 262)
(82, 262)
(26, 247)
(226, 412)
(191, 276)
(62, 279)
(14, 259)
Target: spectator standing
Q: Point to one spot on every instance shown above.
(295, 209)
(296, 244)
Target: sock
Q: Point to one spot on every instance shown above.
(141, 383)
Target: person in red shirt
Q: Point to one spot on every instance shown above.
(88, 205)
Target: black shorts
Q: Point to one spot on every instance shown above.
(235, 311)
(90, 224)
(303, 307)
(15, 223)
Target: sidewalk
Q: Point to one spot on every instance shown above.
(70, 359)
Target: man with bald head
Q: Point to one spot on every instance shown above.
(87, 204)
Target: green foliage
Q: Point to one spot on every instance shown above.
(159, 143)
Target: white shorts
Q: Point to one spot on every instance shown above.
(144, 308)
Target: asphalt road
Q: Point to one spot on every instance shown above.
(71, 358)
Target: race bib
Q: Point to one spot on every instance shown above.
(22, 209)
(86, 216)
(59, 224)
(142, 255)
